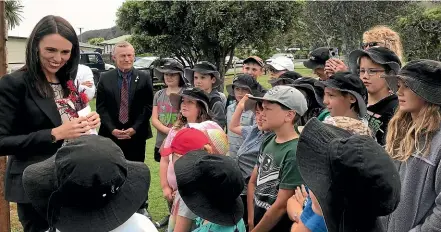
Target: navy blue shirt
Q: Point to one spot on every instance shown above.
(120, 79)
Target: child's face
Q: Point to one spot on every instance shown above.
(258, 114)
(172, 79)
(374, 83)
(408, 100)
(189, 109)
(252, 69)
(239, 93)
(204, 81)
(274, 117)
(337, 103)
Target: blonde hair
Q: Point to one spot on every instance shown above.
(405, 136)
(122, 44)
(384, 34)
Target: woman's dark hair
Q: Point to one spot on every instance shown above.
(47, 26)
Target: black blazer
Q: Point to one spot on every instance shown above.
(140, 104)
(26, 121)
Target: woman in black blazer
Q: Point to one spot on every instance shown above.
(38, 112)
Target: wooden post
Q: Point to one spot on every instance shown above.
(5, 223)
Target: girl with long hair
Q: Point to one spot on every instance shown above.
(414, 142)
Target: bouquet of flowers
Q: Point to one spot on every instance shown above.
(80, 100)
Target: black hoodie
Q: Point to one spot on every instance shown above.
(379, 115)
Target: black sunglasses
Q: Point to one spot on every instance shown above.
(370, 44)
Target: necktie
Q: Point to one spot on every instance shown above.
(124, 104)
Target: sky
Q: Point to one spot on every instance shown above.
(88, 14)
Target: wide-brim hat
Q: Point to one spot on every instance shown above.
(289, 77)
(191, 93)
(245, 81)
(423, 77)
(333, 161)
(40, 181)
(210, 186)
(317, 58)
(204, 68)
(308, 85)
(171, 68)
(334, 84)
(379, 55)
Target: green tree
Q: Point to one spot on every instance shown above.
(421, 33)
(95, 41)
(342, 23)
(195, 31)
(13, 11)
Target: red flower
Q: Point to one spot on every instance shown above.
(71, 86)
(84, 98)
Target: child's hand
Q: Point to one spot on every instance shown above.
(241, 104)
(301, 194)
(167, 192)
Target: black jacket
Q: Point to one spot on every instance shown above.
(140, 104)
(379, 115)
(26, 121)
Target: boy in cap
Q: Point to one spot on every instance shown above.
(279, 66)
(371, 65)
(205, 76)
(243, 84)
(210, 186)
(88, 185)
(275, 176)
(344, 95)
(351, 178)
(317, 60)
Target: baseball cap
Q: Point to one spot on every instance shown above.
(379, 55)
(350, 83)
(317, 58)
(186, 140)
(254, 59)
(282, 63)
(288, 96)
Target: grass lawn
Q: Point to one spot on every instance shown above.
(157, 205)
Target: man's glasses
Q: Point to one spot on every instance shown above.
(370, 72)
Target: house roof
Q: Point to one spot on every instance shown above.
(115, 40)
(86, 45)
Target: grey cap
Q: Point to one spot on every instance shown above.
(287, 96)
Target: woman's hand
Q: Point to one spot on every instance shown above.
(72, 129)
(94, 120)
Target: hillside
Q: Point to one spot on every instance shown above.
(108, 33)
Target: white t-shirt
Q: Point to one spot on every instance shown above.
(84, 73)
(136, 223)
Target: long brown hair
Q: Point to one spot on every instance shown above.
(405, 136)
(202, 116)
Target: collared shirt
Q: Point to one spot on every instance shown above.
(120, 78)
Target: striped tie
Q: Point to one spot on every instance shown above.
(124, 105)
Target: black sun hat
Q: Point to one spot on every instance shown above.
(423, 77)
(210, 186)
(192, 93)
(379, 55)
(203, 67)
(350, 83)
(244, 81)
(286, 78)
(352, 176)
(170, 67)
(87, 185)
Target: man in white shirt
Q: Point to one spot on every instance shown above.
(84, 81)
